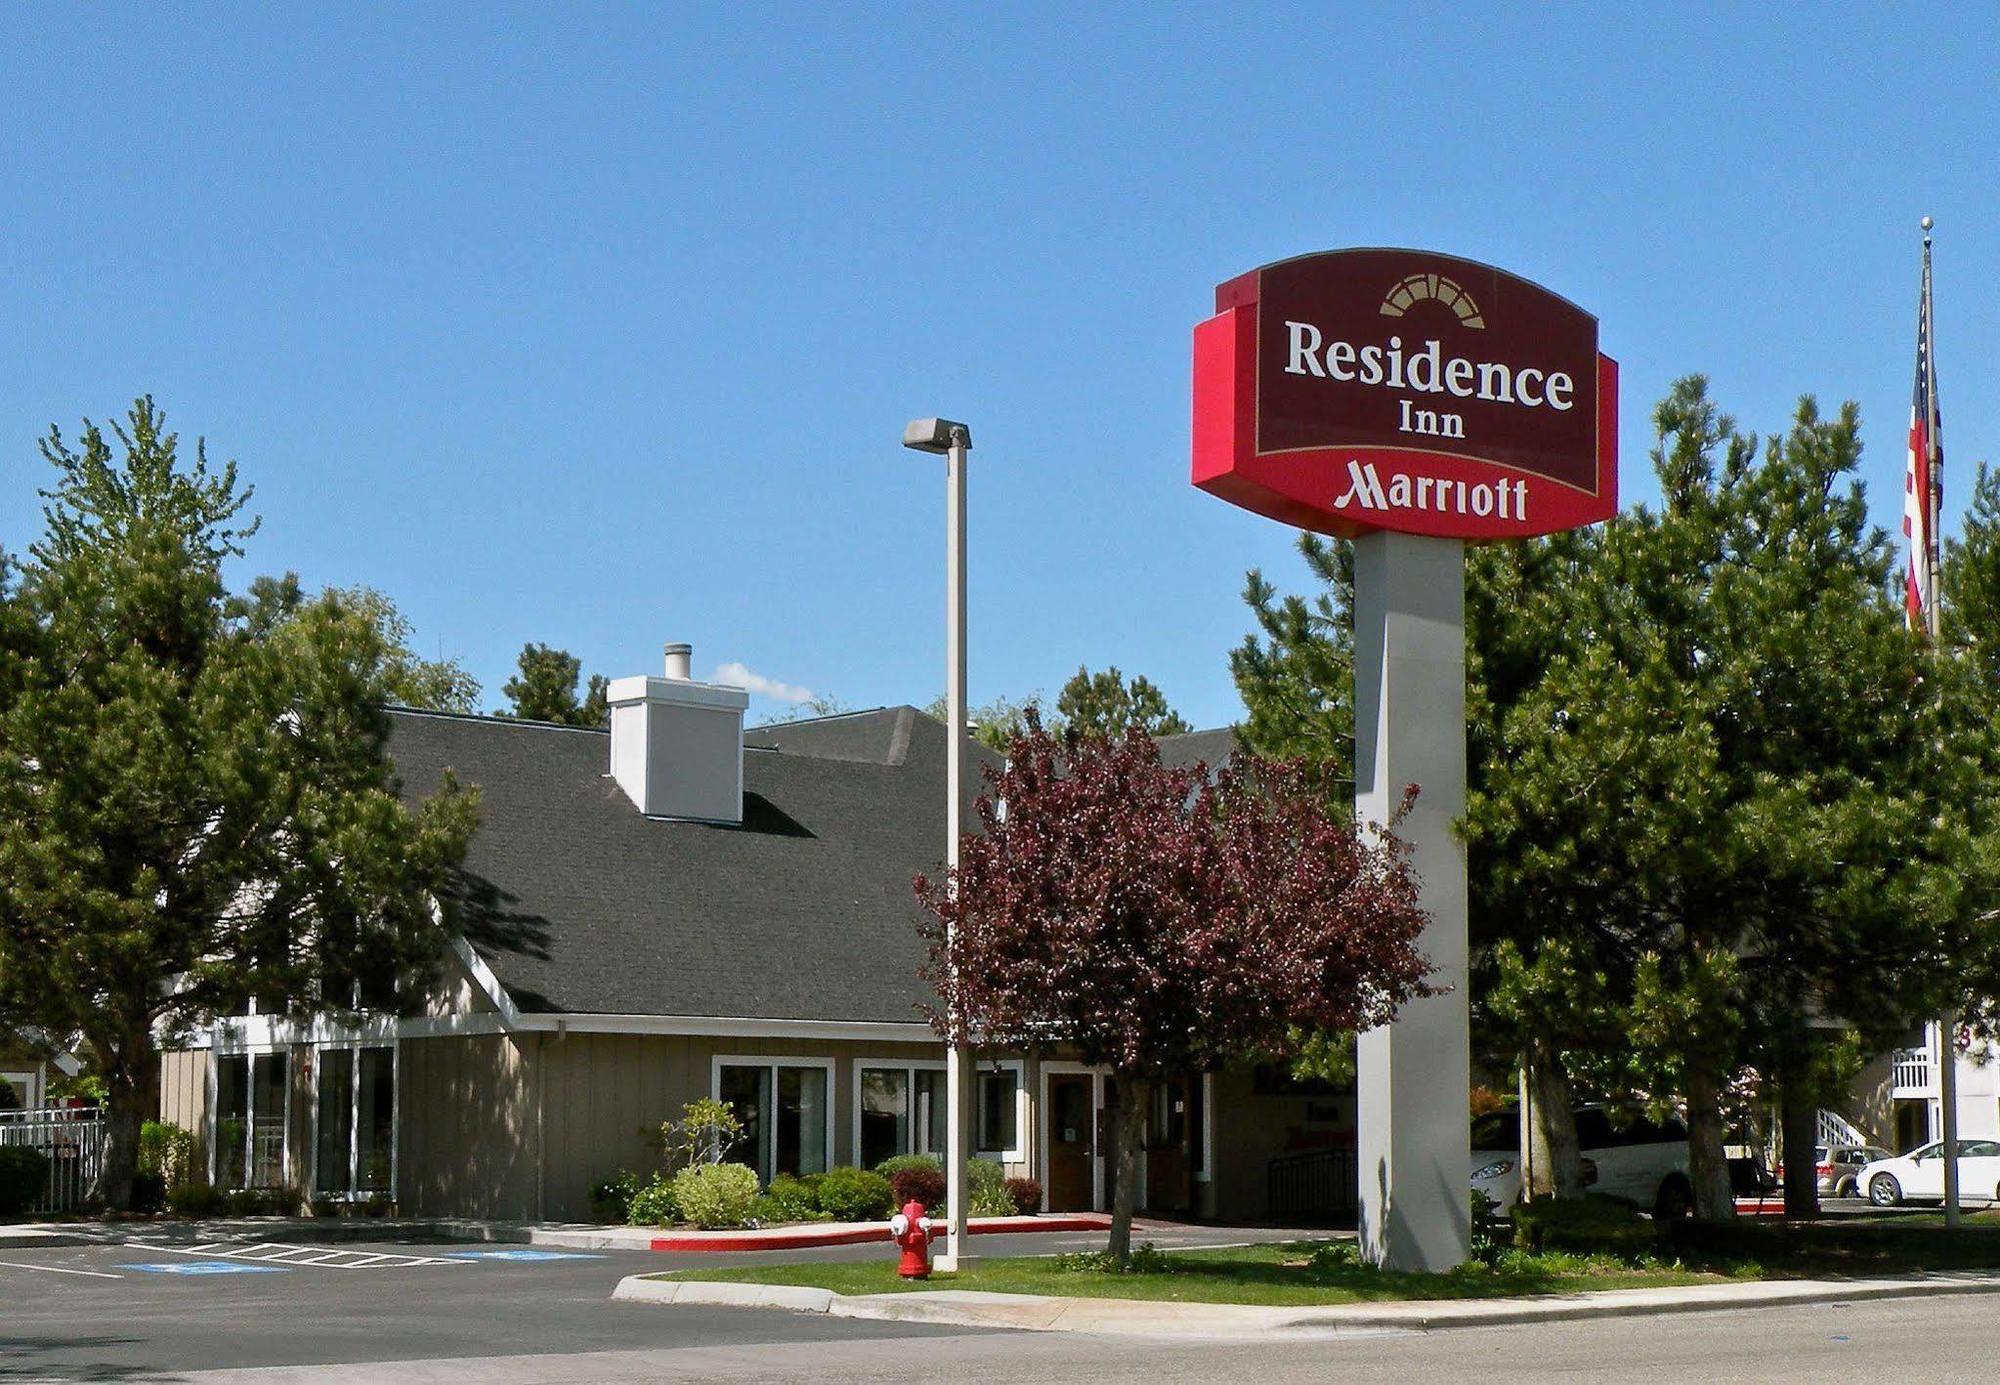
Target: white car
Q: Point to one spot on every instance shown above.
(1919, 1175)
(1625, 1156)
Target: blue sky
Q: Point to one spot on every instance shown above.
(598, 325)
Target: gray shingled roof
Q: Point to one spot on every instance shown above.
(1212, 748)
(805, 911)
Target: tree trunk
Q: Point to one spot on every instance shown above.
(1133, 1098)
(1708, 1166)
(1555, 1162)
(132, 1092)
(1799, 1131)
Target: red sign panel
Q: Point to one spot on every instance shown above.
(1398, 389)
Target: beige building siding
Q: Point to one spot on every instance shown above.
(184, 1096)
(465, 1144)
(521, 1126)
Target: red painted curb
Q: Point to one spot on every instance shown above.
(800, 1238)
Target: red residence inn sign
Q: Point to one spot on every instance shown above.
(1398, 389)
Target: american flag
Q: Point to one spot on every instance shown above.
(1923, 479)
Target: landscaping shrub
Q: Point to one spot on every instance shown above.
(166, 1152)
(1582, 1224)
(986, 1189)
(914, 1176)
(149, 1192)
(611, 1200)
(196, 1200)
(715, 1195)
(654, 1204)
(262, 1202)
(848, 1194)
(792, 1199)
(24, 1175)
(1026, 1194)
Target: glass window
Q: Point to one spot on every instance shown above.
(902, 1112)
(748, 1092)
(375, 1122)
(885, 1114)
(1593, 1129)
(932, 1108)
(334, 1149)
(799, 1134)
(355, 1107)
(997, 1091)
(250, 1105)
(232, 1119)
(267, 1119)
(783, 1109)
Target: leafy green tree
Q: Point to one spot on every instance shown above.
(544, 689)
(196, 803)
(1104, 704)
(1736, 783)
(996, 723)
(434, 685)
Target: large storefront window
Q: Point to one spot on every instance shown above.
(902, 1111)
(251, 1091)
(782, 1105)
(356, 1110)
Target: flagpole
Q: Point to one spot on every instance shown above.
(1932, 504)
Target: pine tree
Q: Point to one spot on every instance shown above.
(544, 689)
(1104, 704)
(196, 804)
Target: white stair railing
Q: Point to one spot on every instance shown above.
(1836, 1129)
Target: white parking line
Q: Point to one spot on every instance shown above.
(315, 1257)
(54, 1269)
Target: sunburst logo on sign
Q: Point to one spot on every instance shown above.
(1420, 288)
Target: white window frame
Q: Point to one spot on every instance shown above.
(312, 1191)
(28, 1083)
(764, 1060)
(1020, 1070)
(250, 1053)
(909, 1067)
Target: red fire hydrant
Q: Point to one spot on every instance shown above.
(911, 1230)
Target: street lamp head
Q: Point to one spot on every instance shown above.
(935, 435)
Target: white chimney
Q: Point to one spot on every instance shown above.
(677, 745)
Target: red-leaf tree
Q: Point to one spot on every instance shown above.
(1162, 921)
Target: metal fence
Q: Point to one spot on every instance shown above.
(1319, 1184)
(72, 1138)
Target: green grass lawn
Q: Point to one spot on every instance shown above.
(1301, 1273)
(1306, 1273)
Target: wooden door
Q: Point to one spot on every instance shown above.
(1070, 1144)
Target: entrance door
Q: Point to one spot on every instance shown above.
(1070, 1144)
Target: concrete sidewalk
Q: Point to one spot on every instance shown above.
(1154, 1318)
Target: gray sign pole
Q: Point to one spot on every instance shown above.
(1414, 1075)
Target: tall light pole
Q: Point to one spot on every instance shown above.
(942, 437)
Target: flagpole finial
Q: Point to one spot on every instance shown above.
(1926, 223)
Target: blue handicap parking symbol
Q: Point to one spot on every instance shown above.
(207, 1267)
(520, 1255)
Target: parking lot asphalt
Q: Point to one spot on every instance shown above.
(150, 1311)
(161, 1302)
